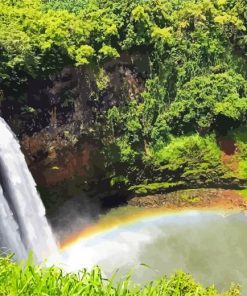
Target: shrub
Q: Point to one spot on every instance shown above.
(191, 159)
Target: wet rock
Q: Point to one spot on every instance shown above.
(192, 198)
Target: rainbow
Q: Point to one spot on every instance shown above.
(130, 216)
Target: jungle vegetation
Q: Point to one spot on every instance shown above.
(29, 279)
(195, 91)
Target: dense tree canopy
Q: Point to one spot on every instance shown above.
(196, 84)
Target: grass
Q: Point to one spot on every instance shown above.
(28, 279)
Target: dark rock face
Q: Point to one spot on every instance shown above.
(58, 155)
(74, 95)
(55, 118)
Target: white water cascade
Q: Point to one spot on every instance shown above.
(23, 224)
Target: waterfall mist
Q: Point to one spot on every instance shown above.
(74, 215)
(210, 246)
(23, 224)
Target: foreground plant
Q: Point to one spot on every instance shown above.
(30, 279)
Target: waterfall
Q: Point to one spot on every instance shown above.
(23, 224)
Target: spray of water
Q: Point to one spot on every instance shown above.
(23, 224)
(209, 245)
(74, 215)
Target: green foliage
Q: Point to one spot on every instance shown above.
(108, 51)
(37, 43)
(202, 100)
(239, 136)
(29, 279)
(153, 188)
(188, 198)
(70, 5)
(102, 80)
(191, 159)
(243, 192)
(126, 131)
(118, 180)
(196, 84)
(82, 54)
